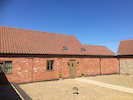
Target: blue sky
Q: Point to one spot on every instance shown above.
(92, 22)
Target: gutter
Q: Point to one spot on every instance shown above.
(53, 54)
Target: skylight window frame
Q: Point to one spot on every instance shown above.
(65, 48)
(83, 49)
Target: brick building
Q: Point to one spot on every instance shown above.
(28, 56)
(125, 51)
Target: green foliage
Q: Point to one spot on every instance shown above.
(60, 75)
(82, 73)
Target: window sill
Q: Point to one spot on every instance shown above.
(7, 73)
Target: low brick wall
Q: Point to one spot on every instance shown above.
(126, 66)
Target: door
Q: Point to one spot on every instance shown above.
(72, 68)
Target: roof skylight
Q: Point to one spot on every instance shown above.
(65, 48)
(83, 49)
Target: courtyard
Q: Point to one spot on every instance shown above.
(63, 90)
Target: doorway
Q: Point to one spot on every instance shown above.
(72, 68)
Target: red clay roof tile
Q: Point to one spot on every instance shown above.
(126, 47)
(97, 50)
(23, 41)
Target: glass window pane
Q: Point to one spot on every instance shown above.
(65, 48)
(8, 67)
(1, 67)
(47, 65)
(83, 49)
(52, 65)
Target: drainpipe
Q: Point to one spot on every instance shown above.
(100, 64)
(31, 66)
(61, 67)
(119, 64)
(26, 70)
(32, 69)
(117, 54)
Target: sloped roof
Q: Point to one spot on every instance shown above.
(97, 50)
(22, 41)
(125, 47)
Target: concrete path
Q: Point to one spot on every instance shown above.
(110, 86)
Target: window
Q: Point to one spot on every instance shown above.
(6, 67)
(83, 49)
(50, 65)
(65, 48)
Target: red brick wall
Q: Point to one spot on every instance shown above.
(28, 70)
(109, 65)
(90, 66)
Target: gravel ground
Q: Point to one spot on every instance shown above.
(120, 80)
(62, 90)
